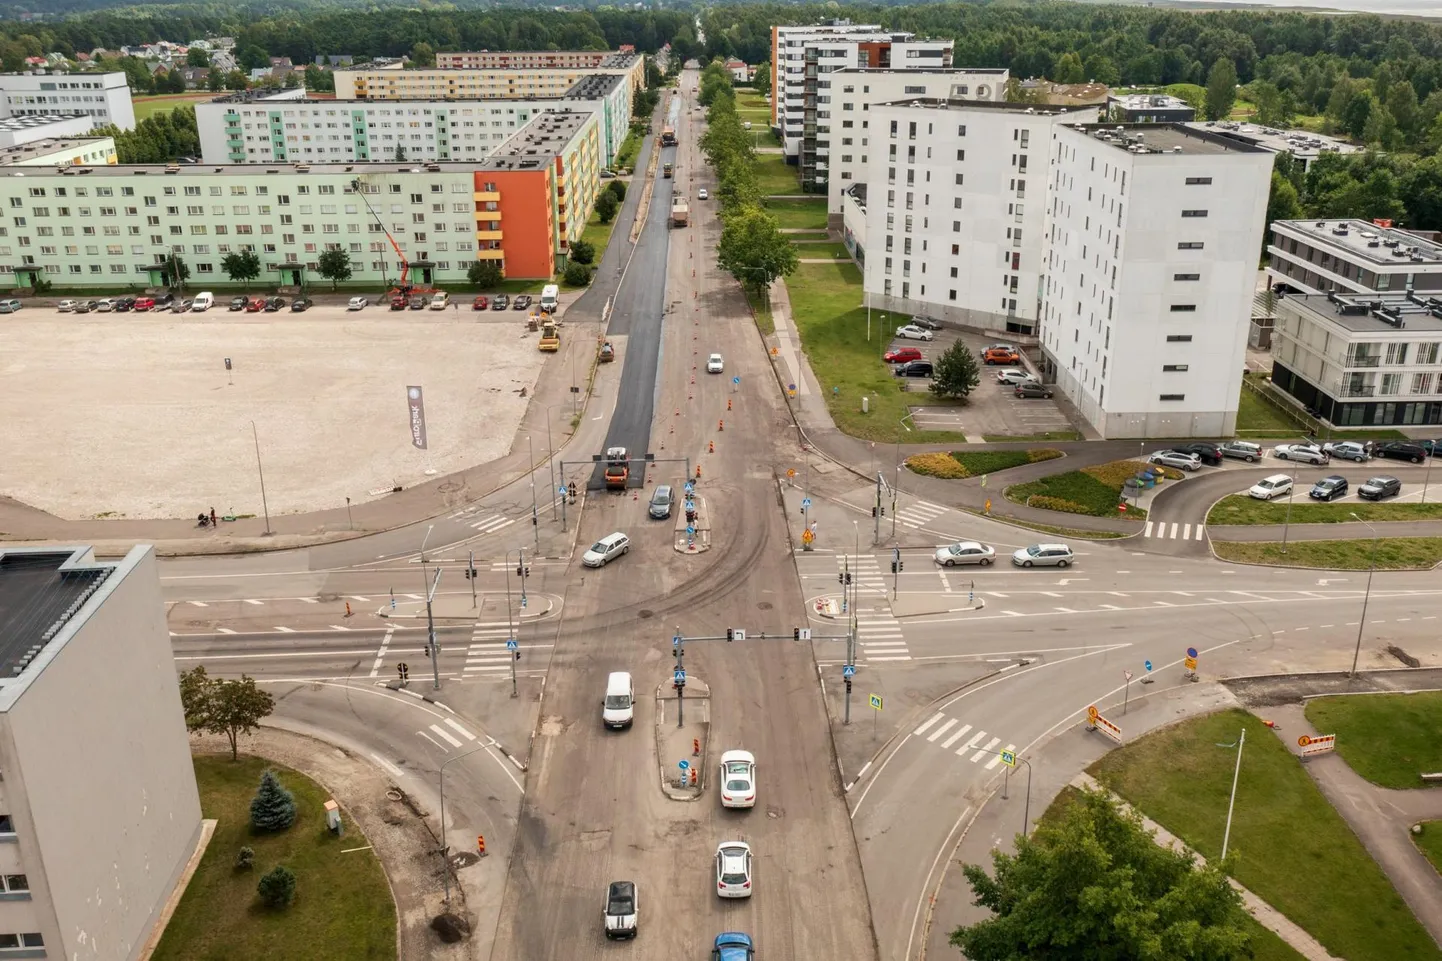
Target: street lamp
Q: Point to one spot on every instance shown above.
(1427, 475)
(1371, 569)
(445, 861)
(897, 478)
(531, 469)
(430, 618)
(261, 471)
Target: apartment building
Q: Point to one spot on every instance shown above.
(113, 227)
(855, 90)
(951, 229)
(99, 811)
(372, 83)
(1150, 262)
(19, 131)
(803, 56)
(1304, 145)
(1352, 256)
(245, 128)
(523, 59)
(70, 151)
(103, 97)
(1361, 360)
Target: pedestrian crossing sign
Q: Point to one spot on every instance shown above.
(876, 702)
(1008, 758)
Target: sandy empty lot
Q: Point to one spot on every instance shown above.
(132, 415)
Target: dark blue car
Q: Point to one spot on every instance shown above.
(733, 946)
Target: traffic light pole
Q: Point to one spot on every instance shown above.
(471, 573)
(431, 632)
(895, 571)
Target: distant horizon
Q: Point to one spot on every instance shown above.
(1404, 8)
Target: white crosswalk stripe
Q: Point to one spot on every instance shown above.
(491, 524)
(1171, 531)
(969, 743)
(919, 514)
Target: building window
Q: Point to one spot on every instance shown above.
(1194, 213)
(1174, 368)
(8, 941)
(17, 884)
(1190, 245)
(1191, 181)
(1179, 338)
(1172, 397)
(1183, 308)
(1186, 276)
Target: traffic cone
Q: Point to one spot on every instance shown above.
(711, 448)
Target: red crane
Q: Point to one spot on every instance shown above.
(402, 288)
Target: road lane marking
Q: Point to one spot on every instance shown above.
(381, 653)
(255, 602)
(224, 630)
(983, 752)
(286, 630)
(450, 722)
(1149, 529)
(975, 740)
(197, 603)
(905, 657)
(956, 737)
(357, 597)
(432, 740)
(1064, 610)
(444, 735)
(339, 627)
(388, 767)
(941, 730)
(928, 723)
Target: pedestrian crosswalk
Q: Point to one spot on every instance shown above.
(1174, 531)
(878, 637)
(919, 514)
(487, 653)
(964, 741)
(864, 571)
(491, 524)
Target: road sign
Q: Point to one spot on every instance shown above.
(511, 644)
(679, 676)
(1321, 744)
(848, 670)
(736, 379)
(806, 503)
(1008, 758)
(803, 633)
(690, 530)
(684, 764)
(1128, 674)
(1191, 663)
(1191, 652)
(523, 602)
(561, 489)
(675, 640)
(875, 701)
(790, 472)
(1147, 665)
(1092, 714)
(807, 537)
(1099, 723)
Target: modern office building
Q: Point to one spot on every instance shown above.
(1361, 360)
(243, 128)
(955, 210)
(461, 84)
(103, 97)
(113, 227)
(1352, 256)
(99, 812)
(856, 90)
(1149, 108)
(1150, 263)
(803, 56)
(1304, 145)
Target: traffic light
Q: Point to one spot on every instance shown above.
(404, 670)
(522, 571)
(470, 573)
(730, 634)
(840, 578)
(848, 577)
(518, 655)
(873, 512)
(883, 512)
(898, 566)
(426, 651)
(848, 685)
(796, 633)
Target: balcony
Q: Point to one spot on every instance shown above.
(1358, 390)
(496, 254)
(489, 235)
(487, 196)
(1364, 360)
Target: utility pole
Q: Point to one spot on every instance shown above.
(471, 573)
(895, 571)
(510, 622)
(876, 513)
(678, 642)
(431, 633)
(535, 514)
(1231, 802)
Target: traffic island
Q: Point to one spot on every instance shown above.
(489, 606)
(916, 604)
(693, 525)
(683, 727)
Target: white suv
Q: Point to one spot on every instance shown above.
(1176, 458)
(1269, 487)
(1012, 376)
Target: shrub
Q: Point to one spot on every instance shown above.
(273, 807)
(936, 464)
(1116, 473)
(1057, 504)
(991, 461)
(583, 252)
(577, 275)
(245, 858)
(277, 887)
(617, 187)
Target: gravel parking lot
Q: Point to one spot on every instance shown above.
(135, 415)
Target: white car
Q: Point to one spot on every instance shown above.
(1011, 376)
(1307, 453)
(1269, 487)
(357, 303)
(1176, 458)
(1348, 450)
(914, 332)
(1043, 555)
(702, 194)
(733, 870)
(738, 779)
(606, 550)
(714, 364)
(965, 552)
(65, 306)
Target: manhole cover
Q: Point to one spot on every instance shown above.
(764, 606)
(645, 612)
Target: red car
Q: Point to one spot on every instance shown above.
(255, 305)
(901, 355)
(481, 303)
(144, 303)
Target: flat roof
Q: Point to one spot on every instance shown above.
(1162, 138)
(1150, 101)
(31, 123)
(620, 61)
(41, 589)
(924, 70)
(1373, 313)
(10, 156)
(595, 86)
(160, 171)
(945, 103)
(1361, 241)
(537, 142)
(1302, 142)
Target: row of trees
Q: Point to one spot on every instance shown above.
(752, 247)
(160, 138)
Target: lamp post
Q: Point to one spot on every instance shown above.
(1232, 801)
(531, 469)
(446, 865)
(1427, 475)
(1371, 569)
(261, 471)
(430, 618)
(897, 478)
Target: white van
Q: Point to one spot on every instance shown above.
(617, 708)
(550, 298)
(440, 300)
(203, 301)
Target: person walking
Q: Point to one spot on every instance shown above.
(212, 517)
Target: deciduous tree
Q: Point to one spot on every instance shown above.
(334, 265)
(242, 267)
(1221, 89)
(484, 274)
(223, 705)
(606, 207)
(754, 250)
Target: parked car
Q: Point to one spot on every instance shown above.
(1013, 376)
(914, 368)
(398, 302)
(621, 909)
(143, 304)
(123, 305)
(1401, 450)
(181, 306)
(66, 306)
(1030, 389)
(1175, 458)
(926, 322)
(1306, 453)
(481, 303)
(299, 305)
(913, 332)
(105, 305)
(1348, 450)
(733, 946)
(500, 302)
(606, 550)
(274, 304)
(239, 303)
(1430, 446)
(733, 869)
(1241, 450)
(965, 552)
(901, 355)
(1209, 453)
(86, 306)
(164, 301)
(1043, 555)
(1329, 488)
(738, 779)
(358, 303)
(1380, 487)
(9, 306)
(715, 365)
(522, 302)
(418, 302)
(255, 305)
(1000, 354)
(1270, 487)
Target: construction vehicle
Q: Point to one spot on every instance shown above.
(680, 213)
(608, 353)
(618, 468)
(550, 337)
(665, 172)
(668, 136)
(403, 288)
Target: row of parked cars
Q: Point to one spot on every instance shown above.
(1193, 455)
(1329, 488)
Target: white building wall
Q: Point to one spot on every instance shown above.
(103, 97)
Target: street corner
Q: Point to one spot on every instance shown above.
(510, 720)
(683, 727)
(693, 524)
(922, 603)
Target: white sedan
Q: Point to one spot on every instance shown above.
(65, 306)
(714, 364)
(966, 552)
(357, 303)
(733, 870)
(1307, 453)
(702, 194)
(914, 332)
(738, 779)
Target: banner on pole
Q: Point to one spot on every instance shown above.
(416, 401)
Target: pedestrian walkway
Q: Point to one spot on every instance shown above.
(980, 746)
(919, 513)
(1165, 531)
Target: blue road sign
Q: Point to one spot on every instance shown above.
(690, 504)
(806, 503)
(679, 676)
(675, 640)
(736, 379)
(511, 644)
(848, 670)
(690, 530)
(684, 764)
(523, 602)
(1191, 652)
(393, 603)
(561, 489)
(1147, 665)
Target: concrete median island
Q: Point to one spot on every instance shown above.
(1096, 491)
(957, 464)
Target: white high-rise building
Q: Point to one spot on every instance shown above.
(103, 97)
(1150, 269)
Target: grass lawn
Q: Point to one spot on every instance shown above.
(774, 176)
(802, 214)
(1393, 553)
(1091, 490)
(752, 101)
(1257, 418)
(1389, 739)
(958, 463)
(831, 250)
(1031, 438)
(598, 234)
(761, 308)
(626, 156)
(343, 908)
(1429, 842)
(1241, 509)
(150, 106)
(1288, 845)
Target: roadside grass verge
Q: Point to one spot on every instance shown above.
(343, 909)
(1051, 435)
(1257, 418)
(1288, 845)
(773, 176)
(1429, 842)
(1240, 509)
(598, 234)
(1389, 739)
(630, 147)
(1393, 553)
(830, 250)
(761, 310)
(959, 464)
(799, 214)
(1092, 490)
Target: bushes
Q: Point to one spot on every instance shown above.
(960, 464)
(1091, 490)
(245, 858)
(1056, 504)
(576, 275)
(936, 464)
(277, 887)
(1116, 473)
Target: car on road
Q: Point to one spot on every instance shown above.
(1033, 390)
(1175, 458)
(738, 779)
(255, 305)
(1013, 376)
(621, 910)
(1043, 555)
(500, 302)
(521, 302)
(901, 355)
(618, 707)
(606, 550)
(9, 305)
(914, 332)
(66, 306)
(733, 946)
(662, 500)
(965, 552)
(1401, 450)
(300, 305)
(1270, 487)
(702, 194)
(714, 364)
(143, 304)
(239, 302)
(1379, 488)
(733, 869)
(1210, 453)
(1000, 354)
(1306, 453)
(417, 302)
(914, 368)
(1329, 488)
(357, 303)
(1348, 450)
(481, 303)
(1241, 450)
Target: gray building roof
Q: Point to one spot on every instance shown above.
(1363, 242)
(1165, 138)
(1372, 313)
(40, 590)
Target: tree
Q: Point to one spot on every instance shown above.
(1015, 92)
(273, 807)
(245, 859)
(215, 81)
(754, 250)
(1221, 89)
(618, 188)
(577, 275)
(423, 54)
(277, 887)
(236, 80)
(1402, 103)
(319, 80)
(484, 274)
(1380, 129)
(242, 267)
(606, 207)
(956, 373)
(1097, 885)
(583, 252)
(1069, 69)
(177, 271)
(334, 265)
(761, 80)
(1272, 106)
(196, 57)
(223, 706)
(1102, 69)
(400, 156)
(252, 57)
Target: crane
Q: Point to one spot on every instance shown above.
(402, 288)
